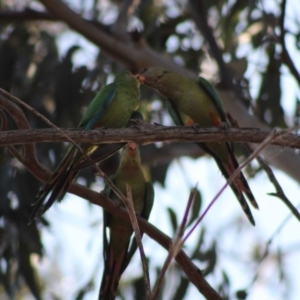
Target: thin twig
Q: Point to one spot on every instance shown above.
(134, 56)
(119, 28)
(3, 120)
(29, 157)
(273, 135)
(286, 58)
(11, 148)
(268, 244)
(138, 237)
(175, 246)
(279, 191)
(35, 112)
(192, 272)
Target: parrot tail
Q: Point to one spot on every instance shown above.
(113, 270)
(58, 183)
(239, 185)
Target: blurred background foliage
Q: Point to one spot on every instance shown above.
(34, 68)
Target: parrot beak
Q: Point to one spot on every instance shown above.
(132, 149)
(140, 78)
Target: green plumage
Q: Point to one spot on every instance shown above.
(196, 102)
(116, 251)
(112, 107)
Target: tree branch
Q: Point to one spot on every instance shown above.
(147, 134)
(28, 157)
(279, 191)
(191, 271)
(133, 56)
(7, 16)
(285, 56)
(176, 245)
(199, 15)
(119, 28)
(198, 12)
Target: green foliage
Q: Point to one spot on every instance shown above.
(33, 72)
(196, 206)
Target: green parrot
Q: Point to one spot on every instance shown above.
(112, 107)
(116, 251)
(193, 101)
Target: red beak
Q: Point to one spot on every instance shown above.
(132, 147)
(140, 78)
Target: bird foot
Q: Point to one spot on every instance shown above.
(101, 129)
(224, 126)
(136, 123)
(196, 127)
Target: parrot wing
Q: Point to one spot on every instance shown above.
(174, 113)
(211, 92)
(148, 201)
(97, 107)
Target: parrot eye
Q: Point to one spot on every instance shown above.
(144, 71)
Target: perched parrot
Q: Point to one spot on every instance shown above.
(193, 101)
(112, 107)
(116, 251)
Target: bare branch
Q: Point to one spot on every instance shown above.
(138, 237)
(253, 155)
(267, 249)
(28, 158)
(176, 244)
(119, 28)
(133, 56)
(285, 56)
(279, 191)
(147, 134)
(198, 12)
(192, 272)
(27, 14)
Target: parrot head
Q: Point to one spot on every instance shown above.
(151, 76)
(132, 149)
(130, 155)
(126, 78)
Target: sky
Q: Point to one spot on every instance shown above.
(74, 241)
